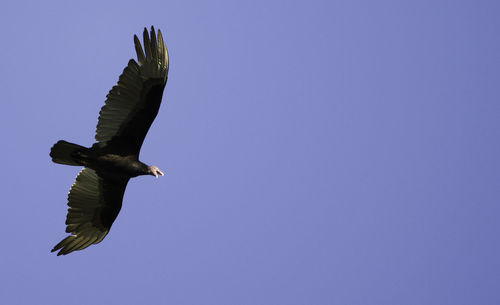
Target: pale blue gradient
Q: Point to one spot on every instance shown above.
(316, 152)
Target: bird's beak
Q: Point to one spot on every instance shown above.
(159, 172)
(155, 171)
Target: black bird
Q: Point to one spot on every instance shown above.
(95, 199)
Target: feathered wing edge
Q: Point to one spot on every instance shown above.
(154, 61)
(124, 97)
(93, 204)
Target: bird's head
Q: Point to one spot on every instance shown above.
(154, 171)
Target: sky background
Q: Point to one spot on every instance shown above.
(316, 152)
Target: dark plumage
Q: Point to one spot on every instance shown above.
(95, 199)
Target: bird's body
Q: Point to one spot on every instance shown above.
(131, 106)
(107, 162)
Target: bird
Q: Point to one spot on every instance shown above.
(95, 198)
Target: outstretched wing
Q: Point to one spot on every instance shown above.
(94, 202)
(132, 104)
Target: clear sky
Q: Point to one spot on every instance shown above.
(316, 152)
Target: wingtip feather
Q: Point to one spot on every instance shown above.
(147, 44)
(139, 50)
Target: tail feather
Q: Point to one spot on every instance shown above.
(65, 153)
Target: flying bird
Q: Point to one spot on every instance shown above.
(95, 199)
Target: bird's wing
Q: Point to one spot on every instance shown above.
(94, 202)
(132, 104)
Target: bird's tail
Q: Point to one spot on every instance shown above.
(66, 153)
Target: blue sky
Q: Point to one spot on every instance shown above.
(316, 152)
